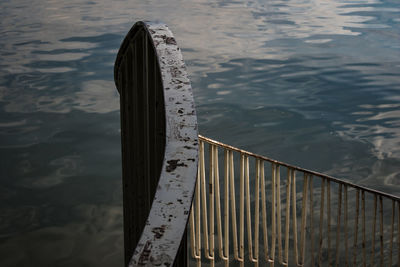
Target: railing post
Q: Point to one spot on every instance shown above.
(159, 146)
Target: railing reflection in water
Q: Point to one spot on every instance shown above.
(305, 218)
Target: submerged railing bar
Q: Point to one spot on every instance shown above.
(337, 180)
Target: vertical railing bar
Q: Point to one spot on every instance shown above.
(233, 209)
(126, 130)
(312, 220)
(373, 232)
(129, 153)
(303, 220)
(149, 112)
(241, 244)
(204, 203)
(363, 227)
(194, 225)
(226, 208)
(392, 233)
(321, 221)
(153, 184)
(203, 198)
(338, 224)
(156, 106)
(273, 213)
(198, 214)
(140, 104)
(287, 216)
(217, 200)
(257, 214)
(211, 193)
(381, 229)
(278, 212)
(264, 211)
(356, 228)
(294, 203)
(328, 202)
(248, 213)
(398, 232)
(346, 237)
(193, 236)
(192, 233)
(152, 72)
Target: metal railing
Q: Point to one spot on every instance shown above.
(307, 219)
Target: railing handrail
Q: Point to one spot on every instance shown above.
(166, 222)
(328, 177)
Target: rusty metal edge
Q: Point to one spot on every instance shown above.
(169, 213)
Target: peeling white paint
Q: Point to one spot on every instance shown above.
(169, 213)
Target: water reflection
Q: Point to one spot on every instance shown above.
(308, 109)
(378, 124)
(303, 19)
(68, 166)
(95, 238)
(311, 82)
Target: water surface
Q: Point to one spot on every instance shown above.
(311, 82)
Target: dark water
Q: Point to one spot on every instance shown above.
(312, 82)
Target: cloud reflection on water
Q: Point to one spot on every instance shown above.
(312, 82)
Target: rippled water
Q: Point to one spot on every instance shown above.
(312, 82)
